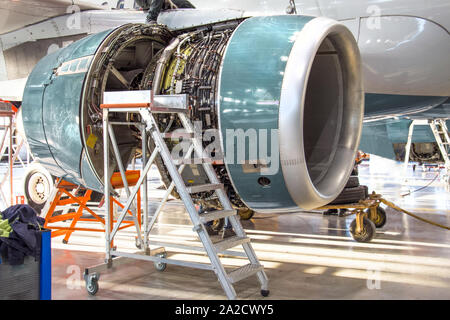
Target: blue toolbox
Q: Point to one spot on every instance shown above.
(30, 280)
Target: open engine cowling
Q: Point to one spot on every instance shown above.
(292, 82)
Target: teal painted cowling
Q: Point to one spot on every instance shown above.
(51, 108)
(297, 81)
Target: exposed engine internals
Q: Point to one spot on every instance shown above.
(153, 58)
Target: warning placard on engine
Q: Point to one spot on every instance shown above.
(91, 141)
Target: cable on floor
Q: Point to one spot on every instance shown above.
(421, 188)
(395, 207)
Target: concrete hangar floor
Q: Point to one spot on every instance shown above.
(306, 255)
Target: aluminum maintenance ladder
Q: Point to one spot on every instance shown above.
(441, 136)
(440, 131)
(176, 105)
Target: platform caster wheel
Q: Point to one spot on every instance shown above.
(92, 285)
(113, 249)
(65, 241)
(161, 266)
(137, 243)
(246, 213)
(380, 221)
(368, 232)
(265, 293)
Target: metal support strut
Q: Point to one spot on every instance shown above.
(176, 105)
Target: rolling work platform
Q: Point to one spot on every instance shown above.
(441, 136)
(70, 196)
(11, 145)
(138, 102)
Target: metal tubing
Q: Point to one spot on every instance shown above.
(10, 162)
(164, 260)
(118, 159)
(5, 132)
(178, 61)
(124, 178)
(195, 248)
(124, 105)
(135, 190)
(144, 186)
(185, 196)
(408, 147)
(162, 62)
(168, 192)
(117, 262)
(106, 184)
(17, 151)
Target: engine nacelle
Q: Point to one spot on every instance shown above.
(284, 94)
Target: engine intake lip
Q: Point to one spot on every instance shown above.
(312, 192)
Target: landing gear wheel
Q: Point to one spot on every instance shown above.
(161, 266)
(368, 232)
(37, 184)
(246, 213)
(380, 220)
(265, 293)
(92, 284)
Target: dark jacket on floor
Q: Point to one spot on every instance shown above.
(25, 238)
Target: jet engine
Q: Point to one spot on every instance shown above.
(282, 93)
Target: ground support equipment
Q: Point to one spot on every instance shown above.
(176, 105)
(441, 136)
(370, 216)
(74, 203)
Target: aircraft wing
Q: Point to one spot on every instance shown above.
(380, 137)
(16, 14)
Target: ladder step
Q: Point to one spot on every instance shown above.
(181, 161)
(244, 272)
(178, 135)
(215, 215)
(230, 243)
(204, 187)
